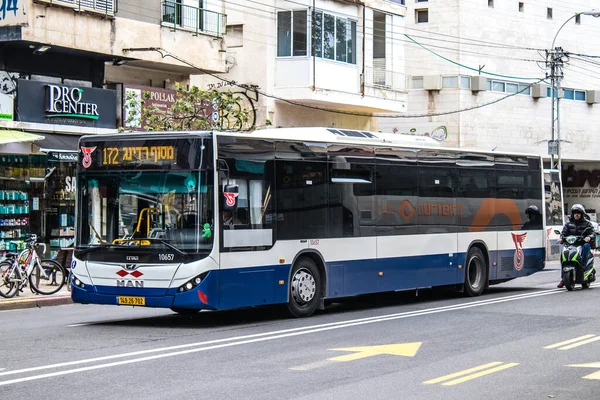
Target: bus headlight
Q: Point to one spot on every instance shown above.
(192, 283)
(78, 283)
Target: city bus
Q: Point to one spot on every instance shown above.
(196, 221)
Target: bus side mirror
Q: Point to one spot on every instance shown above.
(229, 199)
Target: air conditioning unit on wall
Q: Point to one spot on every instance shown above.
(592, 96)
(539, 90)
(432, 82)
(478, 83)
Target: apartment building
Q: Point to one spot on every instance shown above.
(471, 54)
(65, 66)
(335, 72)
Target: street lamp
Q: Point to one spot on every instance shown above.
(556, 55)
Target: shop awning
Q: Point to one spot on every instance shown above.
(12, 136)
(59, 143)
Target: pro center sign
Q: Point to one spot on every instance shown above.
(65, 105)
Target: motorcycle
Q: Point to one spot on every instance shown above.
(573, 272)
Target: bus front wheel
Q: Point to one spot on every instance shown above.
(304, 293)
(475, 272)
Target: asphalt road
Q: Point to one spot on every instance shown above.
(524, 339)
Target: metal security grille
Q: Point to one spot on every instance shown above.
(100, 6)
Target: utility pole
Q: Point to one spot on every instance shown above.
(555, 61)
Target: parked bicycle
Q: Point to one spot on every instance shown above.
(26, 267)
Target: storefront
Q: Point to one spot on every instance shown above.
(37, 174)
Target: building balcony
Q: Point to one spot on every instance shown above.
(125, 32)
(193, 19)
(339, 86)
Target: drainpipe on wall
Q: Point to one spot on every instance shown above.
(362, 75)
(312, 45)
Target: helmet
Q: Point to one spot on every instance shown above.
(577, 208)
(532, 210)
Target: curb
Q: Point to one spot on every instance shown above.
(15, 304)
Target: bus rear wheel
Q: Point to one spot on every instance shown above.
(475, 273)
(304, 292)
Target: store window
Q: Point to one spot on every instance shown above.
(21, 189)
(59, 211)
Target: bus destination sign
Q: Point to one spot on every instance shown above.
(118, 156)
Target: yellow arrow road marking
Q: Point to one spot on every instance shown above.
(595, 375)
(577, 339)
(471, 373)
(404, 349)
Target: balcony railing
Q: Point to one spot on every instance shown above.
(189, 18)
(106, 7)
(384, 79)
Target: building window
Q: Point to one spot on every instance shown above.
(417, 82)
(549, 13)
(578, 19)
(568, 94)
(334, 38)
(491, 3)
(498, 86)
(521, 7)
(422, 16)
(512, 88)
(449, 82)
(524, 89)
(291, 33)
(509, 87)
(465, 82)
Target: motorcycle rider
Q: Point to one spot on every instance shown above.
(576, 225)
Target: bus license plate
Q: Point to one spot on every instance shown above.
(131, 301)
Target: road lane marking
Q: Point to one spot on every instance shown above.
(471, 373)
(403, 349)
(572, 343)
(595, 375)
(253, 338)
(572, 346)
(461, 373)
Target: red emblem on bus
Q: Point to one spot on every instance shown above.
(87, 156)
(230, 198)
(519, 257)
(122, 273)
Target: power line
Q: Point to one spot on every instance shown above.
(467, 67)
(165, 54)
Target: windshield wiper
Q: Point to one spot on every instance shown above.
(155, 240)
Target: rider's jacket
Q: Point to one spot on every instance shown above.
(574, 227)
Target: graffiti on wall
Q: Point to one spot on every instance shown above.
(8, 82)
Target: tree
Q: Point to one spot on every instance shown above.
(193, 109)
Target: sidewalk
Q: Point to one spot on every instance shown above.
(27, 299)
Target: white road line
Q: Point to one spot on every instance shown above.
(76, 325)
(260, 337)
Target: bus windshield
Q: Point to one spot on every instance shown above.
(149, 209)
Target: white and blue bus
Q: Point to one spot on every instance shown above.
(214, 220)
